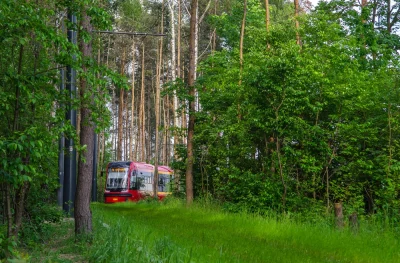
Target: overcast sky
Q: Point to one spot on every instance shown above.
(314, 2)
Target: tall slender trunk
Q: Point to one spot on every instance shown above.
(242, 41)
(114, 124)
(191, 82)
(178, 138)
(142, 114)
(267, 20)
(82, 212)
(175, 68)
(137, 141)
(148, 126)
(125, 128)
(166, 129)
(131, 156)
(178, 59)
(121, 111)
(184, 114)
(157, 105)
(388, 17)
(390, 147)
(296, 17)
(8, 209)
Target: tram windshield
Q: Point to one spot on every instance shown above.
(117, 179)
(164, 182)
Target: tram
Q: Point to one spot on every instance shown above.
(133, 181)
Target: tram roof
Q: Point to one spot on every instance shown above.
(142, 165)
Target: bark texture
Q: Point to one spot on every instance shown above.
(82, 212)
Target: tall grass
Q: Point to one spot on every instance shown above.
(171, 232)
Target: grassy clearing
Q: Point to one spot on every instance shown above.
(58, 245)
(147, 232)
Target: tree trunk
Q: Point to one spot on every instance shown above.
(126, 129)
(121, 111)
(178, 138)
(241, 43)
(296, 17)
(82, 212)
(142, 114)
(157, 105)
(178, 60)
(19, 208)
(131, 156)
(175, 69)
(339, 215)
(267, 20)
(353, 222)
(114, 123)
(191, 82)
(8, 210)
(148, 126)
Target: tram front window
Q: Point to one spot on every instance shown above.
(117, 179)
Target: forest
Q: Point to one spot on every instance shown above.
(264, 106)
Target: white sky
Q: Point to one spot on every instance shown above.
(314, 2)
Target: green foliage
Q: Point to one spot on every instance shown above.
(306, 126)
(32, 105)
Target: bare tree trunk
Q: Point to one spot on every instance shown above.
(296, 16)
(241, 42)
(137, 141)
(19, 207)
(121, 111)
(388, 16)
(142, 114)
(339, 215)
(177, 138)
(175, 68)
(178, 60)
(82, 212)
(131, 157)
(148, 126)
(214, 34)
(125, 129)
(8, 210)
(278, 152)
(157, 105)
(191, 82)
(267, 20)
(167, 131)
(114, 119)
(184, 114)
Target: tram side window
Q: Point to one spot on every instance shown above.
(145, 180)
(133, 185)
(164, 183)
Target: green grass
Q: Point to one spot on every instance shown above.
(170, 232)
(58, 245)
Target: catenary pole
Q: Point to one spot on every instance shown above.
(70, 156)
